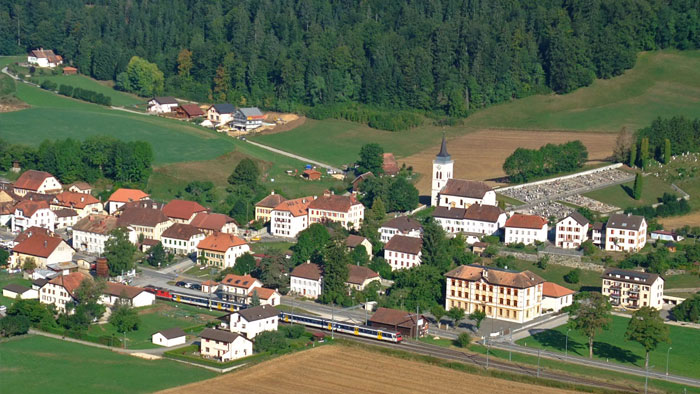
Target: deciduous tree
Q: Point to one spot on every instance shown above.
(589, 314)
(119, 252)
(647, 328)
(371, 159)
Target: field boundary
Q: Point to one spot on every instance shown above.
(587, 172)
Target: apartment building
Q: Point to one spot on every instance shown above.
(403, 252)
(346, 210)
(633, 289)
(572, 231)
(527, 229)
(625, 233)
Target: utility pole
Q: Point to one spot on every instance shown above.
(332, 320)
(668, 354)
(566, 346)
(538, 363)
(487, 355)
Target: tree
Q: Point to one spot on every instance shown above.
(273, 272)
(644, 153)
(688, 310)
(255, 299)
(124, 318)
(456, 314)
(119, 252)
(4, 257)
(573, 276)
(245, 264)
(623, 145)
(403, 196)
(633, 156)
(434, 251)
(88, 308)
(359, 256)
(141, 77)
(246, 174)
(309, 242)
(438, 312)
(463, 340)
(543, 262)
(378, 210)
(37, 313)
(589, 313)
(648, 329)
(638, 185)
(270, 341)
(28, 264)
(335, 272)
(588, 247)
(13, 325)
(371, 159)
(157, 255)
(184, 63)
(478, 316)
(667, 151)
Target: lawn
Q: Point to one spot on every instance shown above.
(81, 81)
(265, 247)
(682, 281)
(33, 364)
(619, 195)
(610, 345)
(589, 280)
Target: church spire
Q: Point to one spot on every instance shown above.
(443, 149)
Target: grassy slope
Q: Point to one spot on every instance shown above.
(652, 190)
(611, 345)
(32, 364)
(83, 82)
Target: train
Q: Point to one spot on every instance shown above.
(342, 327)
(203, 301)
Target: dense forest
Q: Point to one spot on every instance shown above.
(447, 57)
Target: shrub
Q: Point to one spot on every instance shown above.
(573, 276)
(294, 331)
(65, 90)
(14, 325)
(48, 85)
(463, 340)
(270, 341)
(588, 248)
(543, 262)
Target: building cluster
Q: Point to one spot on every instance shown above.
(217, 115)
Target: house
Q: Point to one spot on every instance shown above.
(479, 247)
(80, 187)
(390, 166)
(33, 214)
(399, 321)
(290, 217)
(571, 231)
(626, 233)
(402, 225)
(359, 277)
(252, 321)
(133, 296)
(161, 105)
(7, 212)
(403, 252)
(210, 223)
(44, 58)
(188, 111)
(238, 287)
(170, 337)
(63, 268)
(526, 229)
(502, 294)
(359, 179)
(598, 234)
(90, 233)
(460, 193)
(633, 289)
(42, 247)
(122, 196)
(60, 290)
(665, 235)
(182, 211)
(353, 241)
(264, 207)
(266, 296)
(66, 218)
(181, 239)
(210, 286)
(247, 118)
(151, 223)
(311, 175)
(68, 70)
(224, 345)
(477, 220)
(221, 250)
(19, 292)
(306, 280)
(555, 297)
(220, 114)
(38, 182)
(82, 203)
(346, 210)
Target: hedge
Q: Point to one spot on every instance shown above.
(102, 340)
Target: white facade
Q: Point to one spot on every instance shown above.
(284, 224)
(597, 237)
(159, 339)
(226, 351)
(48, 186)
(527, 236)
(218, 119)
(250, 329)
(352, 219)
(401, 260)
(556, 304)
(443, 169)
(570, 234)
(93, 243)
(144, 298)
(630, 240)
(63, 221)
(56, 295)
(386, 233)
(631, 289)
(61, 254)
(31, 294)
(160, 108)
(308, 288)
(42, 217)
(181, 246)
(446, 200)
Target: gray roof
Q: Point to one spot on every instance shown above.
(629, 275)
(165, 100)
(578, 218)
(449, 213)
(225, 108)
(251, 111)
(219, 335)
(403, 223)
(15, 288)
(443, 150)
(171, 333)
(625, 222)
(258, 313)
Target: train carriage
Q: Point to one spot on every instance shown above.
(342, 327)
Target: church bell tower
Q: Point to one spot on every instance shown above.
(443, 166)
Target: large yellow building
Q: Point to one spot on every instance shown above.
(502, 294)
(633, 289)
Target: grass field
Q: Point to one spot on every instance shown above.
(341, 369)
(83, 82)
(34, 364)
(611, 345)
(619, 195)
(588, 280)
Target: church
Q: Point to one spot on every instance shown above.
(456, 193)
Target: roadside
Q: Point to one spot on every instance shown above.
(300, 158)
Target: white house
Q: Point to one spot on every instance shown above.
(45, 58)
(353, 241)
(403, 252)
(181, 239)
(252, 321)
(170, 337)
(626, 233)
(290, 217)
(665, 235)
(571, 231)
(402, 225)
(33, 214)
(16, 291)
(598, 234)
(221, 250)
(151, 223)
(248, 118)
(65, 218)
(80, 187)
(82, 203)
(346, 210)
(633, 289)
(211, 223)
(238, 287)
(526, 229)
(266, 296)
(91, 233)
(161, 105)
(306, 280)
(40, 246)
(477, 220)
(555, 297)
(122, 196)
(224, 345)
(133, 296)
(359, 277)
(220, 114)
(38, 182)
(60, 290)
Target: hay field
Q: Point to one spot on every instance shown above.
(692, 219)
(480, 155)
(348, 370)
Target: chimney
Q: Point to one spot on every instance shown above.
(485, 273)
(46, 243)
(272, 193)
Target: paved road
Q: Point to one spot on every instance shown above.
(301, 158)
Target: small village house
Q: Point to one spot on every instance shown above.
(555, 297)
(402, 225)
(665, 235)
(44, 58)
(189, 111)
(267, 296)
(346, 210)
(122, 196)
(306, 280)
(399, 321)
(41, 246)
(151, 223)
(210, 223)
(238, 287)
(403, 252)
(390, 166)
(627, 233)
(221, 250)
(66, 218)
(220, 114)
(247, 118)
(264, 207)
(633, 289)
(311, 175)
(598, 234)
(181, 239)
(33, 214)
(80, 187)
(133, 296)
(571, 231)
(90, 233)
(526, 229)
(83, 204)
(223, 345)
(68, 70)
(19, 292)
(170, 337)
(478, 248)
(60, 291)
(252, 321)
(182, 211)
(162, 105)
(359, 277)
(38, 182)
(353, 241)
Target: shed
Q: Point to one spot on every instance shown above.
(68, 70)
(312, 175)
(170, 337)
(401, 321)
(16, 291)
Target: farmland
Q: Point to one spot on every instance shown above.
(83, 82)
(52, 363)
(349, 370)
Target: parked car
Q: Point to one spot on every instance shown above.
(181, 284)
(196, 286)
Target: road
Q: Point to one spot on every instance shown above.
(293, 156)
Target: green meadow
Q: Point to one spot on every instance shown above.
(83, 82)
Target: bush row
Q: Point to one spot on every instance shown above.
(102, 340)
(670, 206)
(378, 119)
(83, 94)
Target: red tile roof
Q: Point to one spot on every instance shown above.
(358, 274)
(393, 317)
(211, 221)
(31, 180)
(242, 281)
(220, 242)
(74, 200)
(495, 276)
(97, 224)
(127, 195)
(297, 207)
(308, 271)
(182, 209)
(401, 243)
(263, 292)
(71, 281)
(334, 203)
(520, 220)
(390, 166)
(181, 231)
(271, 201)
(550, 289)
(28, 208)
(39, 245)
(352, 241)
(31, 231)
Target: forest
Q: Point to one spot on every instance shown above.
(445, 57)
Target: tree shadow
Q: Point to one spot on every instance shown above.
(628, 190)
(606, 350)
(425, 200)
(590, 288)
(555, 339)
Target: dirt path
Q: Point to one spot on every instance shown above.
(339, 369)
(293, 156)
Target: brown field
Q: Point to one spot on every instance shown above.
(480, 155)
(692, 219)
(339, 369)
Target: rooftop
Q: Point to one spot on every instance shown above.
(308, 271)
(630, 276)
(258, 313)
(465, 188)
(127, 195)
(171, 333)
(141, 217)
(181, 231)
(97, 224)
(242, 281)
(358, 274)
(403, 224)
(182, 209)
(334, 203)
(220, 242)
(219, 335)
(297, 207)
(625, 222)
(39, 245)
(495, 276)
(520, 220)
(353, 241)
(393, 317)
(211, 221)
(271, 201)
(31, 179)
(401, 243)
(74, 200)
(553, 290)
